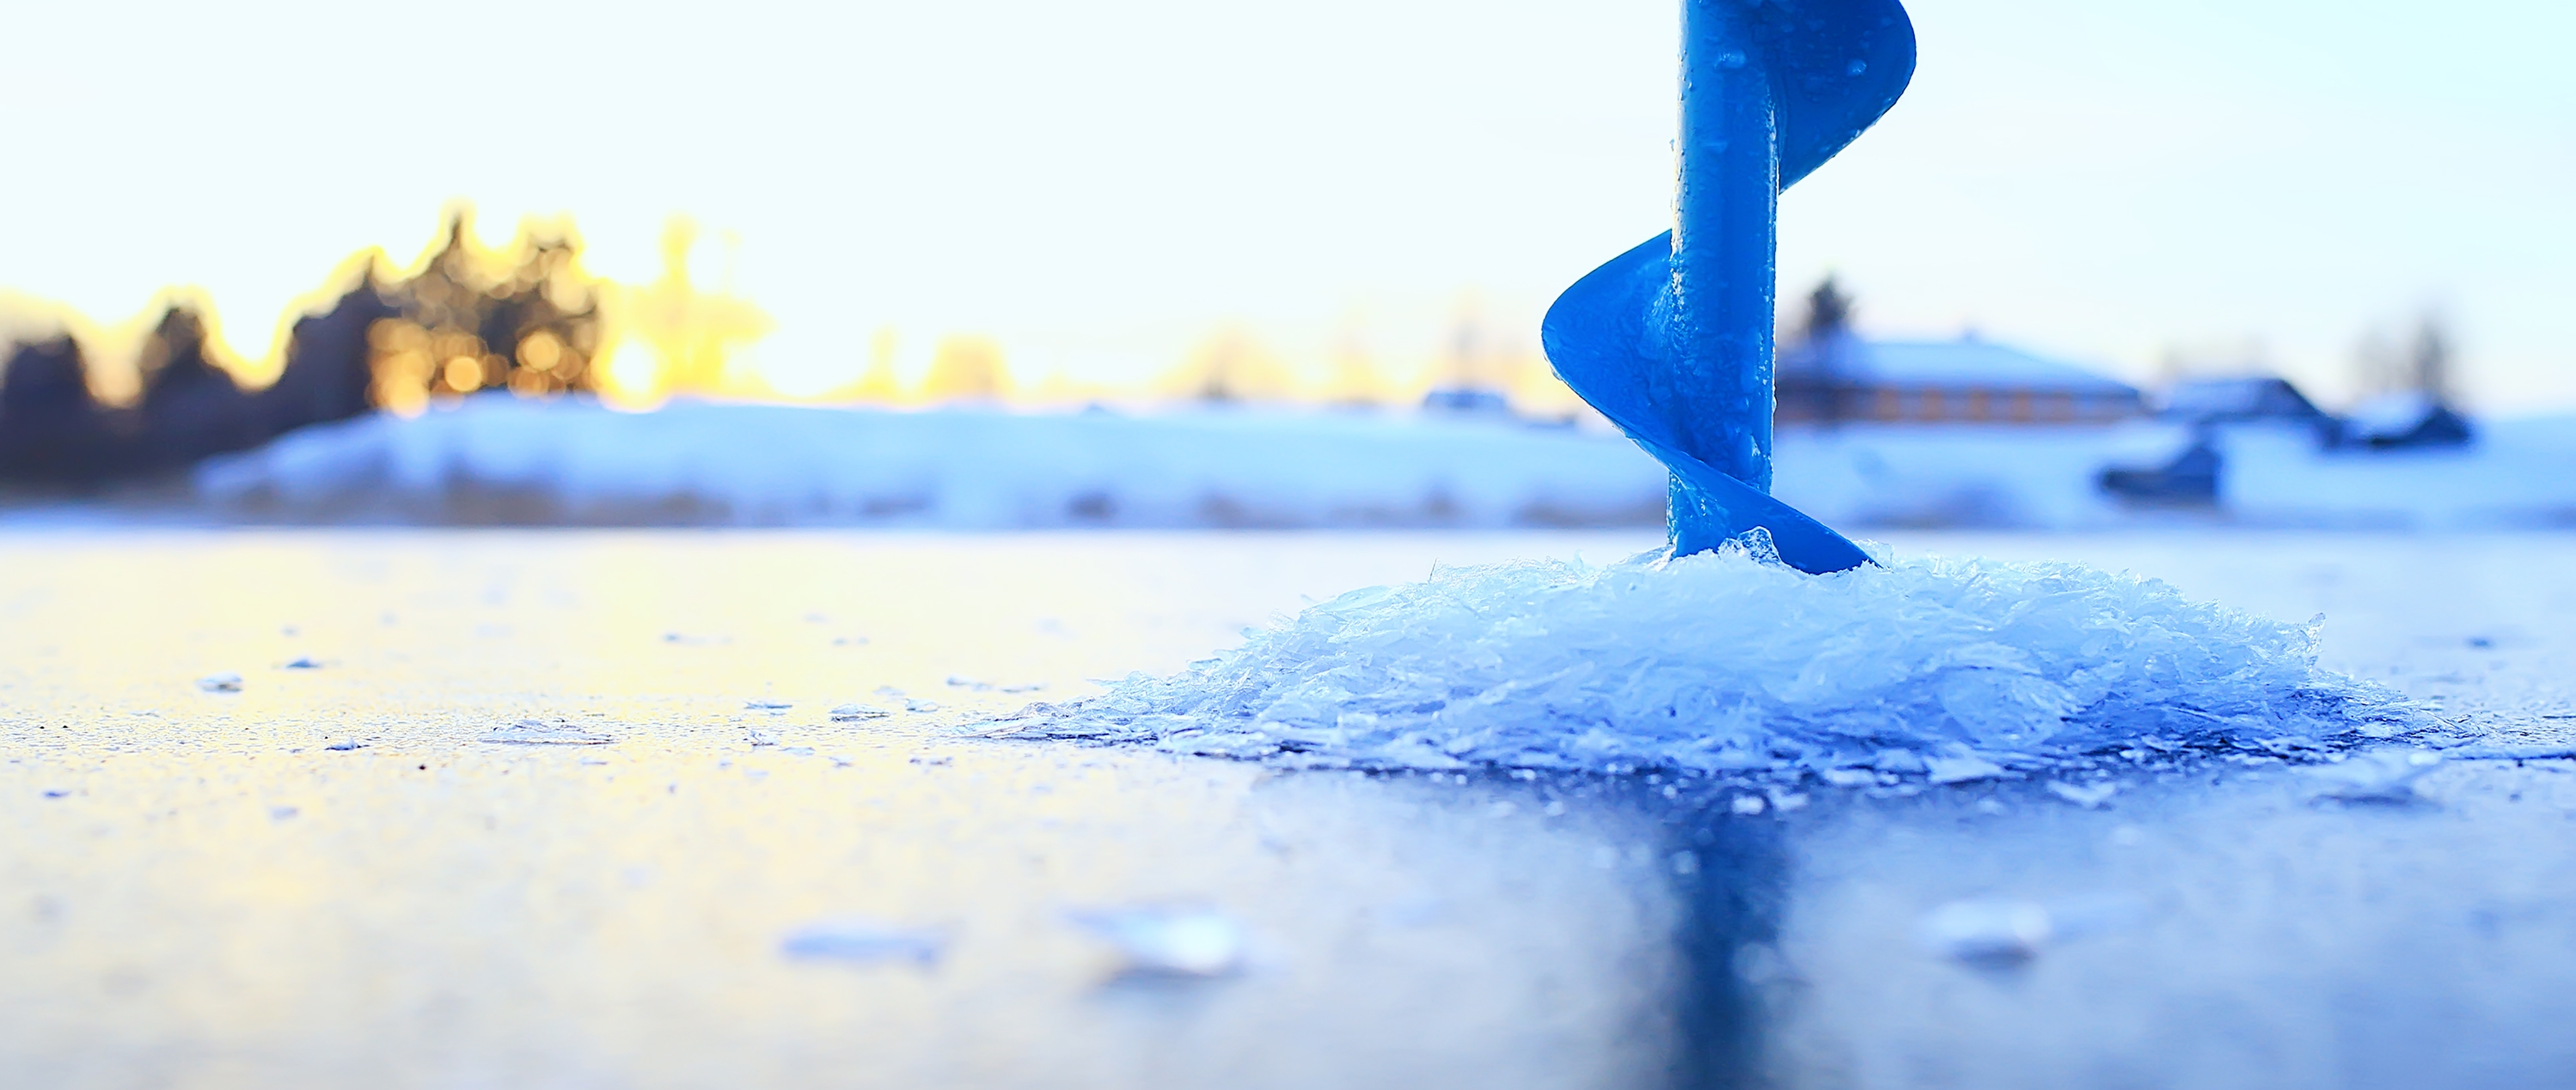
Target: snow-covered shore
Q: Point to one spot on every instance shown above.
(499, 460)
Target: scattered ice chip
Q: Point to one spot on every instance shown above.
(345, 745)
(1961, 769)
(846, 713)
(226, 682)
(1849, 777)
(1985, 931)
(1747, 805)
(862, 940)
(961, 681)
(2092, 797)
(1169, 941)
(1785, 801)
(798, 751)
(1026, 687)
(56, 793)
(301, 662)
(761, 737)
(917, 705)
(2386, 775)
(1898, 760)
(540, 732)
(929, 761)
(767, 705)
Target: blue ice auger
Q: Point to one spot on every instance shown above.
(1672, 340)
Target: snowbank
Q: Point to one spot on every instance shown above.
(497, 459)
(1729, 662)
(512, 461)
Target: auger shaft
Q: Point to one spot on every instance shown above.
(1725, 251)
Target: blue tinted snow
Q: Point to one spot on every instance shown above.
(1729, 662)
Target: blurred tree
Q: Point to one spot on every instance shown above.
(191, 408)
(53, 431)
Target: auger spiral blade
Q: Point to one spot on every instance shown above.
(1673, 340)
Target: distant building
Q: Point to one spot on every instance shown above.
(2406, 418)
(2246, 400)
(1841, 378)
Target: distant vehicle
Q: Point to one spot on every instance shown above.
(1967, 381)
(2190, 479)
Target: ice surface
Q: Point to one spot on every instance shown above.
(1728, 662)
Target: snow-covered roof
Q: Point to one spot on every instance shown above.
(2246, 398)
(1968, 362)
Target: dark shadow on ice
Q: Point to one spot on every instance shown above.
(1729, 874)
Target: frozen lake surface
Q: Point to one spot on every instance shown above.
(576, 809)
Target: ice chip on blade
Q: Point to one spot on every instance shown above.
(1169, 941)
(1721, 662)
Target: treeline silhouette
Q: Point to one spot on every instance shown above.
(526, 321)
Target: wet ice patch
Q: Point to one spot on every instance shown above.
(1723, 662)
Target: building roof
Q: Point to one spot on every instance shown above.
(2252, 397)
(1970, 362)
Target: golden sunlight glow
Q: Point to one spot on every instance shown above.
(967, 369)
(525, 316)
(693, 335)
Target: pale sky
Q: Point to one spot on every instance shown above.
(1100, 185)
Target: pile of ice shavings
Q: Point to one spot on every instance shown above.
(1728, 662)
